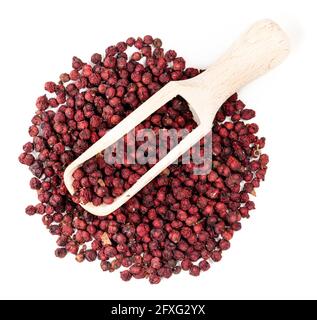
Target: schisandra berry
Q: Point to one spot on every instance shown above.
(180, 221)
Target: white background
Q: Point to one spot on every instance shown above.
(274, 255)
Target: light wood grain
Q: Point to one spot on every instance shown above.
(258, 50)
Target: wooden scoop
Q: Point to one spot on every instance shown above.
(257, 51)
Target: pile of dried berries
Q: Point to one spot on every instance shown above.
(179, 221)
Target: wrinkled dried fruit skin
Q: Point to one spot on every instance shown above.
(179, 221)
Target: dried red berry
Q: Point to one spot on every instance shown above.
(180, 220)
